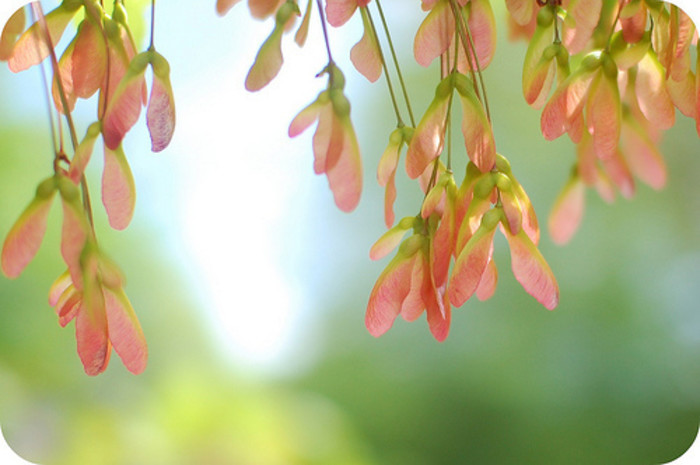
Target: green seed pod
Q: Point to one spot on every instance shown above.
(609, 66)
(69, 191)
(545, 17)
(46, 188)
(503, 182)
(484, 186)
(491, 218)
(502, 164)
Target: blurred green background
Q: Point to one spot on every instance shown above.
(612, 376)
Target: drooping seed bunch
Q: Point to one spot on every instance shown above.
(100, 59)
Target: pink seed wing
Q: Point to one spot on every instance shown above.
(538, 73)
(389, 199)
(89, 60)
(345, 177)
(654, 99)
(25, 237)
(604, 115)
(643, 157)
(390, 239)
(91, 330)
(339, 12)
(435, 34)
(304, 118)
(223, 6)
(520, 10)
(160, 116)
(365, 55)
(83, 153)
(31, 48)
(682, 94)
(482, 25)
(489, 280)
(567, 212)
(585, 14)
(263, 8)
(532, 271)
(125, 331)
(470, 266)
(268, 61)
(74, 233)
(124, 105)
(11, 32)
(476, 129)
(118, 188)
(388, 294)
(428, 138)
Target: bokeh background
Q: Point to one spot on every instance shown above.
(251, 288)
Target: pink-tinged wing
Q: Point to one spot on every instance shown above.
(365, 55)
(682, 94)
(413, 304)
(328, 141)
(634, 23)
(118, 189)
(604, 115)
(11, 32)
(567, 212)
(125, 332)
(74, 233)
(434, 34)
(91, 331)
(530, 223)
(83, 153)
(565, 104)
(586, 14)
(532, 271)
(489, 280)
(268, 61)
(388, 294)
(471, 222)
(520, 10)
(31, 48)
(339, 12)
(443, 242)
(124, 105)
(160, 116)
(391, 239)
(482, 25)
(435, 196)
(587, 163)
(24, 239)
(303, 31)
(620, 174)
(470, 266)
(389, 199)
(263, 8)
(65, 75)
(223, 6)
(68, 305)
(512, 209)
(437, 304)
(428, 138)
(643, 157)
(345, 176)
(476, 129)
(305, 118)
(390, 158)
(681, 54)
(58, 287)
(653, 97)
(89, 60)
(538, 72)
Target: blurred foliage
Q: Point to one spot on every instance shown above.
(611, 376)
